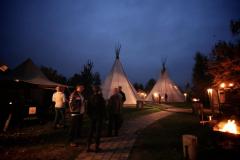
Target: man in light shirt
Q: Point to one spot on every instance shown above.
(59, 99)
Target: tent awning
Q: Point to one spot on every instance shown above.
(28, 72)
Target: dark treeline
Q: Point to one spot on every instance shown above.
(85, 76)
(147, 88)
(222, 64)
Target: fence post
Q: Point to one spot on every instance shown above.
(189, 147)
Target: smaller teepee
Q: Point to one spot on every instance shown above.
(116, 78)
(165, 90)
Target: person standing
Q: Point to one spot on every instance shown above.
(66, 103)
(122, 94)
(96, 113)
(123, 97)
(115, 107)
(166, 97)
(77, 109)
(59, 99)
(159, 98)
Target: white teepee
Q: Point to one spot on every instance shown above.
(165, 89)
(116, 78)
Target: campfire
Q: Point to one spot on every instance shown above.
(227, 134)
(229, 126)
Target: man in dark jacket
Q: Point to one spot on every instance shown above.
(77, 108)
(115, 109)
(122, 93)
(96, 112)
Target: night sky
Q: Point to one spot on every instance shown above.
(64, 34)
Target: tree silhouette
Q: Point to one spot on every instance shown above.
(188, 91)
(75, 79)
(151, 82)
(53, 75)
(87, 78)
(138, 86)
(97, 79)
(200, 78)
(224, 63)
(235, 27)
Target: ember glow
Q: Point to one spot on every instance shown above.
(230, 126)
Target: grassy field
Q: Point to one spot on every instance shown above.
(130, 112)
(163, 140)
(181, 104)
(41, 141)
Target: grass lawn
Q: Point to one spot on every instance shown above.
(131, 113)
(41, 141)
(181, 104)
(163, 140)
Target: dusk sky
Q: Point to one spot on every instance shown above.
(64, 34)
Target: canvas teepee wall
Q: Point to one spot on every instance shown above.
(116, 78)
(163, 86)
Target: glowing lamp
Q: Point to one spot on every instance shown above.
(195, 100)
(209, 90)
(142, 94)
(210, 118)
(155, 95)
(222, 85)
(231, 85)
(145, 95)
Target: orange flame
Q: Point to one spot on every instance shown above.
(230, 126)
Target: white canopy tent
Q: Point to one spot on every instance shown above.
(28, 72)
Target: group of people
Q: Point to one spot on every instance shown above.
(95, 107)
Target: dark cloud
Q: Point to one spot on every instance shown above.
(65, 34)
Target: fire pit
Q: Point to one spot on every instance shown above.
(229, 126)
(227, 134)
